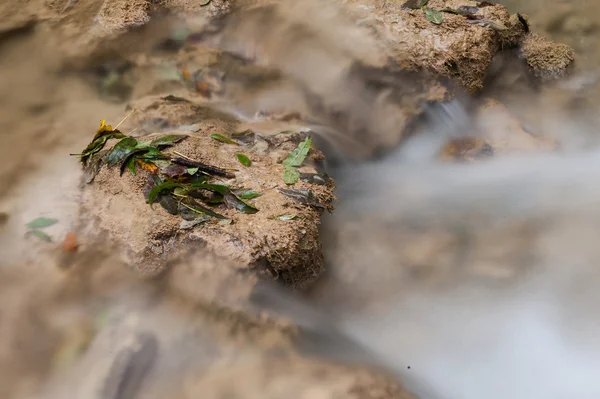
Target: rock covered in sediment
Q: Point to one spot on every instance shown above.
(288, 250)
(460, 48)
(547, 60)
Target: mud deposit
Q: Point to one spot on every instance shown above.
(357, 199)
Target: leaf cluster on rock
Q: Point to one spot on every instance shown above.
(181, 185)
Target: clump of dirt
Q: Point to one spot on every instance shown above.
(548, 60)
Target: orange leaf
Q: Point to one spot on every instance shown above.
(70, 243)
(148, 166)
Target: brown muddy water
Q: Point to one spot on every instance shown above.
(463, 281)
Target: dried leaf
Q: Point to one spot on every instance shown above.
(149, 167)
(219, 188)
(285, 217)
(169, 204)
(296, 157)
(104, 129)
(70, 244)
(40, 234)
(244, 160)
(305, 197)
(168, 140)
(120, 151)
(212, 170)
(94, 165)
(314, 178)
(225, 222)
(204, 2)
(174, 99)
(198, 219)
(433, 16)
(236, 202)
(247, 194)
(174, 170)
(291, 175)
(41, 223)
(220, 137)
(157, 189)
(247, 137)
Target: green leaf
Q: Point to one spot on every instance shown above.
(168, 140)
(244, 160)
(296, 157)
(197, 208)
(121, 150)
(97, 145)
(433, 16)
(291, 176)
(156, 190)
(41, 223)
(220, 137)
(225, 222)
(131, 165)
(192, 171)
(41, 235)
(423, 3)
(285, 217)
(249, 194)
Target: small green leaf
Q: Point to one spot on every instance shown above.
(291, 176)
(423, 3)
(192, 171)
(168, 140)
(156, 190)
(220, 137)
(296, 157)
(121, 150)
(285, 217)
(131, 165)
(244, 160)
(41, 235)
(433, 16)
(195, 207)
(97, 145)
(41, 223)
(225, 222)
(249, 194)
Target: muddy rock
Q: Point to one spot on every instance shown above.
(546, 59)
(288, 250)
